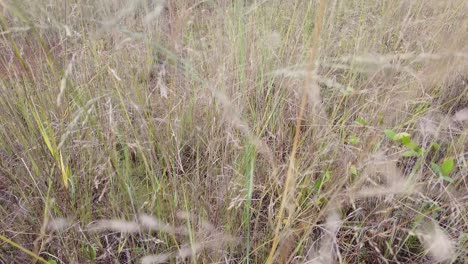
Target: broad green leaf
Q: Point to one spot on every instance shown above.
(435, 146)
(447, 167)
(413, 146)
(438, 170)
(390, 134)
(403, 137)
(52, 261)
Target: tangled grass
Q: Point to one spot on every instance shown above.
(151, 131)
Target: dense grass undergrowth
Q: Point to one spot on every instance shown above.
(190, 131)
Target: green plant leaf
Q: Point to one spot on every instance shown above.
(353, 140)
(435, 168)
(410, 153)
(52, 261)
(413, 146)
(390, 134)
(439, 171)
(403, 137)
(360, 121)
(320, 182)
(436, 146)
(89, 252)
(447, 167)
(447, 178)
(420, 151)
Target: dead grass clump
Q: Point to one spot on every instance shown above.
(141, 110)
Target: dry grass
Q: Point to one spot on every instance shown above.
(204, 131)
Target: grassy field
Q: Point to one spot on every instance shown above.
(240, 131)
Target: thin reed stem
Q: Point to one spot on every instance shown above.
(290, 177)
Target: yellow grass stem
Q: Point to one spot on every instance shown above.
(25, 250)
(290, 177)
